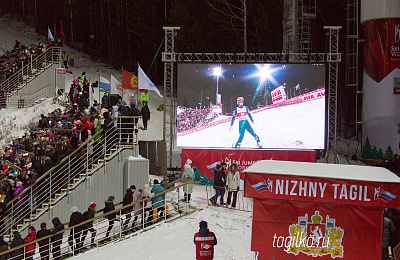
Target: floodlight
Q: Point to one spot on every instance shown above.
(217, 71)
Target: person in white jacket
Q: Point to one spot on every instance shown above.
(147, 205)
(233, 184)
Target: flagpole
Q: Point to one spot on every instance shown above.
(98, 87)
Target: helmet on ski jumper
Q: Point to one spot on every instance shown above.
(240, 99)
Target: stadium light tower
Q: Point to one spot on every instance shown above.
(217, 72)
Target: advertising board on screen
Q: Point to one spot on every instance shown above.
(251, 106)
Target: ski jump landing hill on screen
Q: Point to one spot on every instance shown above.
(295, 123)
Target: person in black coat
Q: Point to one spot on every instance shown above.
(218, 184)
(128, 198)
(44, 245)
(75, 233)
(56, 239)
(145, 115)
(17, 241)
(109, 206)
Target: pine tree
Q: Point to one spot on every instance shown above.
(374, 154)
(367, 151)
(388, 153)
(380, 153)
(197, 176)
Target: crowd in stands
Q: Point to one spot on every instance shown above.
(190, 118)
(13, 60)
(57, 135)
(148, 211)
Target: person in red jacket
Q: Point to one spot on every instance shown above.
(205, 242)
(88, 126)
(30, 249)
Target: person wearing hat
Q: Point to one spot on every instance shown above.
(205, 241)
(109, 206)
(128, 199)
(44, 245)
(88, 214)
(188, 173)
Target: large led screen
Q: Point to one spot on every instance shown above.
(251, 106)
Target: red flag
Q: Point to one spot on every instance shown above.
(62, 34)
(129, 80)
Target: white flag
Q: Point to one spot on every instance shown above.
(115, 86)
(145, 83)
(91, 94)
(49, 35)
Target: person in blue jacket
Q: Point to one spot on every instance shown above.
(158, 201)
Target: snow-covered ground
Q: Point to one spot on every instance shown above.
(173, 240)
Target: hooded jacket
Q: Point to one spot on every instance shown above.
(58, 226)
(109, 206)
(233, 178)
(17, 241)
(128, 198)
(43, 244)
(157, 201)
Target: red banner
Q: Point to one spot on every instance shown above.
(304, 230)
(205, 160)
(382, 47)
(129, 80)
(298, 188)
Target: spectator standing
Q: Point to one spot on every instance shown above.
(17, 241)
(144, 96)
(128, 199)
(147, 204)
(74, 233)
(233, 184)
(105, 99)
(65, 59)
(158, 202)
(30, 249)
(145, 112)
(57, 237)
(223, 175)
(188, 173)
(388, 231)
(205, 242)
(138, 208)
(109, 206)
(3, 247)
(218, 182)
(89, 214)
(44, 245)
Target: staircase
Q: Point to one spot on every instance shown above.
(31, 70)
(73, 171)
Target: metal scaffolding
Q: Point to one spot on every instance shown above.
(352, 41)
(333, 59)
(168, 57)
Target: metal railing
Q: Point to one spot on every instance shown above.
(106, 228)
(23, 100)
(74, 169)
(34, 67)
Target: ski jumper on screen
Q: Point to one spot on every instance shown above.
(243, 115)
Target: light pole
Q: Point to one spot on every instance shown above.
(217, 72)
